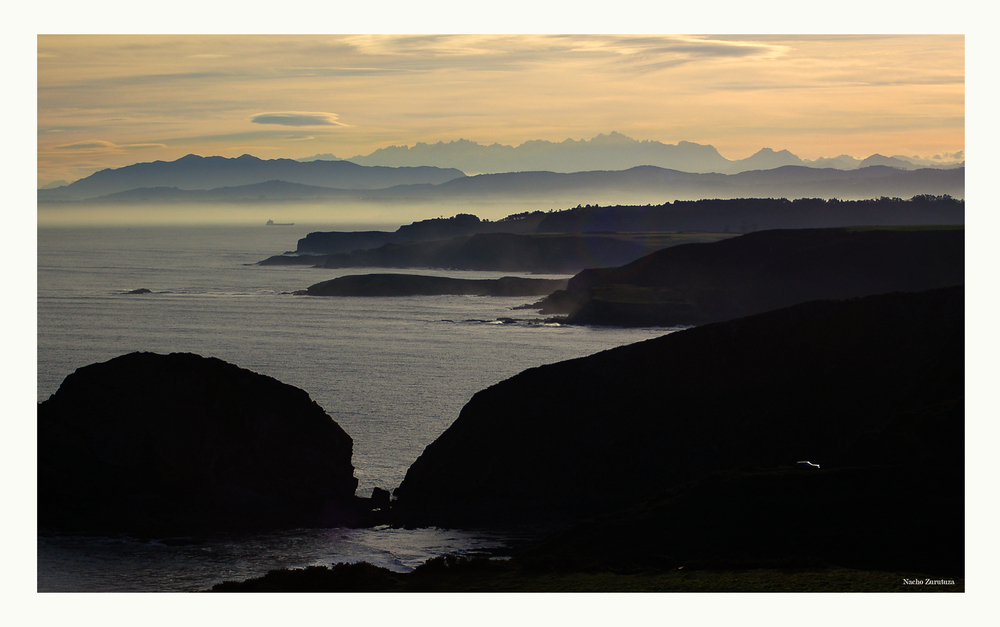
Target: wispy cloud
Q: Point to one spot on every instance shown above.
(104, 146)
(297, 118)
(511, 53)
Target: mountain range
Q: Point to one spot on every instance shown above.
(607, 152)
(612, 169)
(640, 185)
(192, 172)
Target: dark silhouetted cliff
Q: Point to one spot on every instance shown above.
(863, 383)
(698, 283)
(173, 444)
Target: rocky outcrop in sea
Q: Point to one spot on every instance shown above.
(173, 444)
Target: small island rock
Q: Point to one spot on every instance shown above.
(173, 444)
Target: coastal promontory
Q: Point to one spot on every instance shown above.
(763, 271)
(177, 444)
(870, 390)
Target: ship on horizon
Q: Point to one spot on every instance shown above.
(273, 223)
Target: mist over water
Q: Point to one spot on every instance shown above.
(393, 372)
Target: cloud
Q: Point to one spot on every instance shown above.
(105, 146)
(498, 53)
(297, 118)
(87, 145)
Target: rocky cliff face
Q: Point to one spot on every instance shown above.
(840, 383)
(163, 444)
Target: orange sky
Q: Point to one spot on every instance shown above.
(108, 101)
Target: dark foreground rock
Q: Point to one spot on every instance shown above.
(422, 285)
(902, 518)
(699, 283)
(168, 444)
(865, 383)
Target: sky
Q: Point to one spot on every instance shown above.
(112, 100)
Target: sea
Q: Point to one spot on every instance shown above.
(393, 372)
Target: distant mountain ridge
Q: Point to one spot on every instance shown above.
(195, 173)
(640, 185)
(613, 151)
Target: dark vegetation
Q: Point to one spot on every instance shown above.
(418, 285)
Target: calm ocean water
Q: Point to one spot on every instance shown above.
(393, 372)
